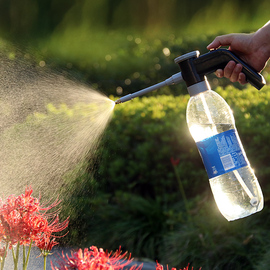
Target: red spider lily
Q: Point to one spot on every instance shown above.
(94, 259)
(160, 267)
(56, 226)
(175, 162)
(45, 243)
(23, 219)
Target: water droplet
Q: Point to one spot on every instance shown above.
(51, 126)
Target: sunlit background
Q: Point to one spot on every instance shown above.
(130, 195)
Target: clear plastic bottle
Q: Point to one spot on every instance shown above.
(234, 185)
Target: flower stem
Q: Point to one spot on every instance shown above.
(4, 258)
(26, 260)
(45, 261)
(16, 256)
(23, 257)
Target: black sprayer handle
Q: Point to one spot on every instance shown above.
(218, 59)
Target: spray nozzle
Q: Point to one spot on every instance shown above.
(195, 67)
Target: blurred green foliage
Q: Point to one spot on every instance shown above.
(37, 18)
(135, 201)
(118, 46)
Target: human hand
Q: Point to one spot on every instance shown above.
(253, 48)
(237, 43)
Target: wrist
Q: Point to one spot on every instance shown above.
(261, 39)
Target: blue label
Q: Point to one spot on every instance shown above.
(222, 153)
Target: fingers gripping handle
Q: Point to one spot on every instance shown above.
(218, 59)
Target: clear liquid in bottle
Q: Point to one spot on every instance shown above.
(234, 185)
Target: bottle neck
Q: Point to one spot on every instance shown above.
(198, 88)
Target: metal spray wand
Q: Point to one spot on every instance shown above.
(174, 79)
